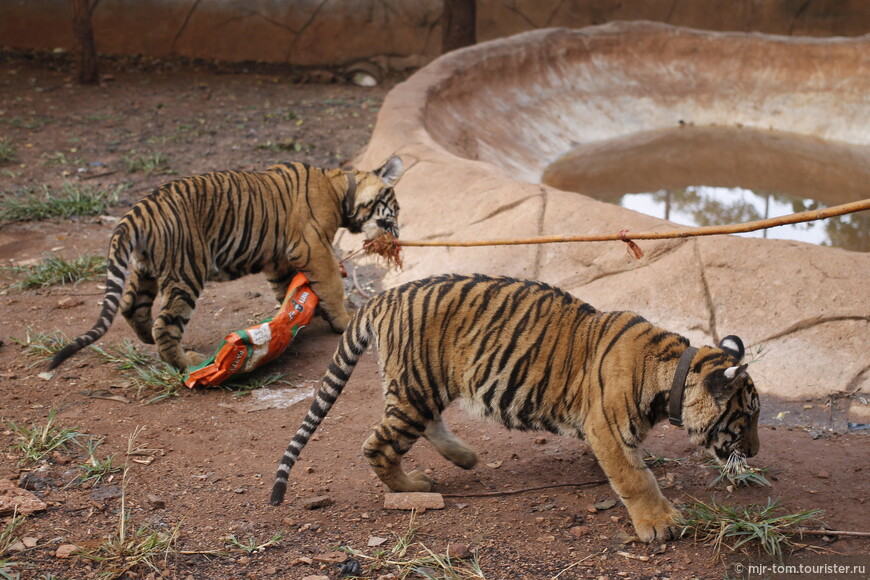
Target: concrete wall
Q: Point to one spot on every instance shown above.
(395, 34)
(400, 33)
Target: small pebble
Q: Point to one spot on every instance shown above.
(64, 551)
(460, 551)
(317, 502)
(579, 531)
(350, 567)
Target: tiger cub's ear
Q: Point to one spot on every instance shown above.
(391, 171)
(733, 346)
(723, 383)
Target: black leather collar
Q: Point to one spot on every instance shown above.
(675, 409)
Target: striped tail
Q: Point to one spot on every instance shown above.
(353, 343)
(120, 249)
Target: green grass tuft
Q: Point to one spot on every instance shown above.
(55, 270)
(411, 557)
(288, 145)
(253, 545)
(244, 384)
(126, 357)
(128, 550)
(146, 373)
(7, 150)
(38, 442)
(73, 199)
(8, 537)
(97, 469)
(42, 344)
(740, 528)
(148, 164)
(160, 376)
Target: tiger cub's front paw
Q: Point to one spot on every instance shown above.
(419, 481)
(659, 527)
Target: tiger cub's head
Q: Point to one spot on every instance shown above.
(721, 405)
(373, 209)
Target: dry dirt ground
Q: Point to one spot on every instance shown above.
(210, 455)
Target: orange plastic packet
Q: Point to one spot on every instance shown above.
(244, 350)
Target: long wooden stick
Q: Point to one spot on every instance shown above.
(527, 489)
(795, 218)
(833, 533)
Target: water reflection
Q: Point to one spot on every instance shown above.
(749, 167)
(707, 206)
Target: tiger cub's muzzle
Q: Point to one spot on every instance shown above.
(377, 227)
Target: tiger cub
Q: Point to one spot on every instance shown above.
(223, 225)
(532, 357)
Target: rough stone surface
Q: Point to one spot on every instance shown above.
(317, 502)
(13, 499)
(478, 127)
(155, 502)
(413, 500)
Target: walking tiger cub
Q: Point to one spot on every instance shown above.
(223, 225)
(533, 357)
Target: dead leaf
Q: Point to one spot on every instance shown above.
(623, 538)
(106, 395)
(495, 464)
(69, 302)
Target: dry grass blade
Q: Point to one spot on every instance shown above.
(42, 344)
(128, 549)
(410, 558)
(738, 473)
(386, 246)
(8, 537)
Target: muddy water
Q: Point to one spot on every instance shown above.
(698, 176)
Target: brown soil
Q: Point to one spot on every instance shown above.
(212, 454)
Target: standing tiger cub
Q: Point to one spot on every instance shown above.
(223, 225)
(533, 357)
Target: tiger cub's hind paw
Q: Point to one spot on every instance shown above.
(194, 358)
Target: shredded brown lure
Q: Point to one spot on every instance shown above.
(386, 246)
(633, 249)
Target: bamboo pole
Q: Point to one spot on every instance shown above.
(624, 236)
(833, 533)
